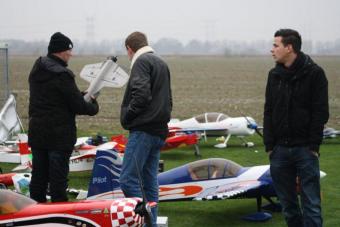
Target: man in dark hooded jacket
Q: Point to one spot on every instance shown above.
(295, 111)
(55, 100)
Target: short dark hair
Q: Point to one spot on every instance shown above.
(136, 40)
(290, 36)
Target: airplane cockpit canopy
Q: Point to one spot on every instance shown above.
(11, 202)
(213, 168)
(211, 117)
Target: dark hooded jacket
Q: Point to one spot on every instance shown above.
(55, 100)
(296, 105)
(147, 102)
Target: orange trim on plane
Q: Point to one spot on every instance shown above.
(187, 190)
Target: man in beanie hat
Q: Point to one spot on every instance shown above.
(59, 43)
(54, 102)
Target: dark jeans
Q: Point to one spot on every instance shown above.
(145, 148)
(286, 163)
(49, 167)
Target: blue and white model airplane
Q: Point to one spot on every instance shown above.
(209, 179)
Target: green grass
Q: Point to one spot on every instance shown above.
(230, 212)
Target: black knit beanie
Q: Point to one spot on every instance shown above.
(59, 43)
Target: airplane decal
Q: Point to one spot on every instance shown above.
(189, 190)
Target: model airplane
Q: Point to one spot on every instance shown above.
(218, 124)
(105, 74)
(9, 120)
(330, 133)
(18, 210)
(78, 163)
(174, 140)
(209, 179)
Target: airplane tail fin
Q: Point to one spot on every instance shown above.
(121, 141)
(105, 175)
(25, 154)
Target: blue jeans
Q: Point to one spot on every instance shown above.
(49, 167)
(286, 163)
(143, 149)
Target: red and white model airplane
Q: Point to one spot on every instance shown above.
(18, 210)
(174, 140)
(87, 152)
(78, 163)
(218, 124)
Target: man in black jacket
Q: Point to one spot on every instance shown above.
(55, 100)
(295, 111)
(145, 112)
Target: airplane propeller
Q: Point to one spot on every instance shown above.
(254, 126)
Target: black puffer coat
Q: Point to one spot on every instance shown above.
(296, 106)
(55, 100)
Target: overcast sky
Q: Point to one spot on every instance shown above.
(96, 20)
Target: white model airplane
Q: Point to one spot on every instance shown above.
(9, 120)
(10, 125)
(330, 133)
(104, 74)
(218, 124)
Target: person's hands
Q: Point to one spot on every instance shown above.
(270, 152)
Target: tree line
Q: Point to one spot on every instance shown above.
(171, 46)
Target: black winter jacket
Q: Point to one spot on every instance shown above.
(54, 102)
(296, 105)
(147, 102)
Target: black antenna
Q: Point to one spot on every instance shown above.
(143, 209)
(141, 184)
(113, 58)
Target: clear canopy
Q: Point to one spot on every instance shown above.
(211, 117)
(213, 168)
(11, 202)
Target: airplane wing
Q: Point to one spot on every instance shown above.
(229, 190)
(200, 130)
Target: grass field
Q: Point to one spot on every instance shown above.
(233, 86)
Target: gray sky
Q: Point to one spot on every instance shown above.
(248, 20)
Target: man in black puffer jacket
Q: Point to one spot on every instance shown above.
(55, 100)
(295, 112)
